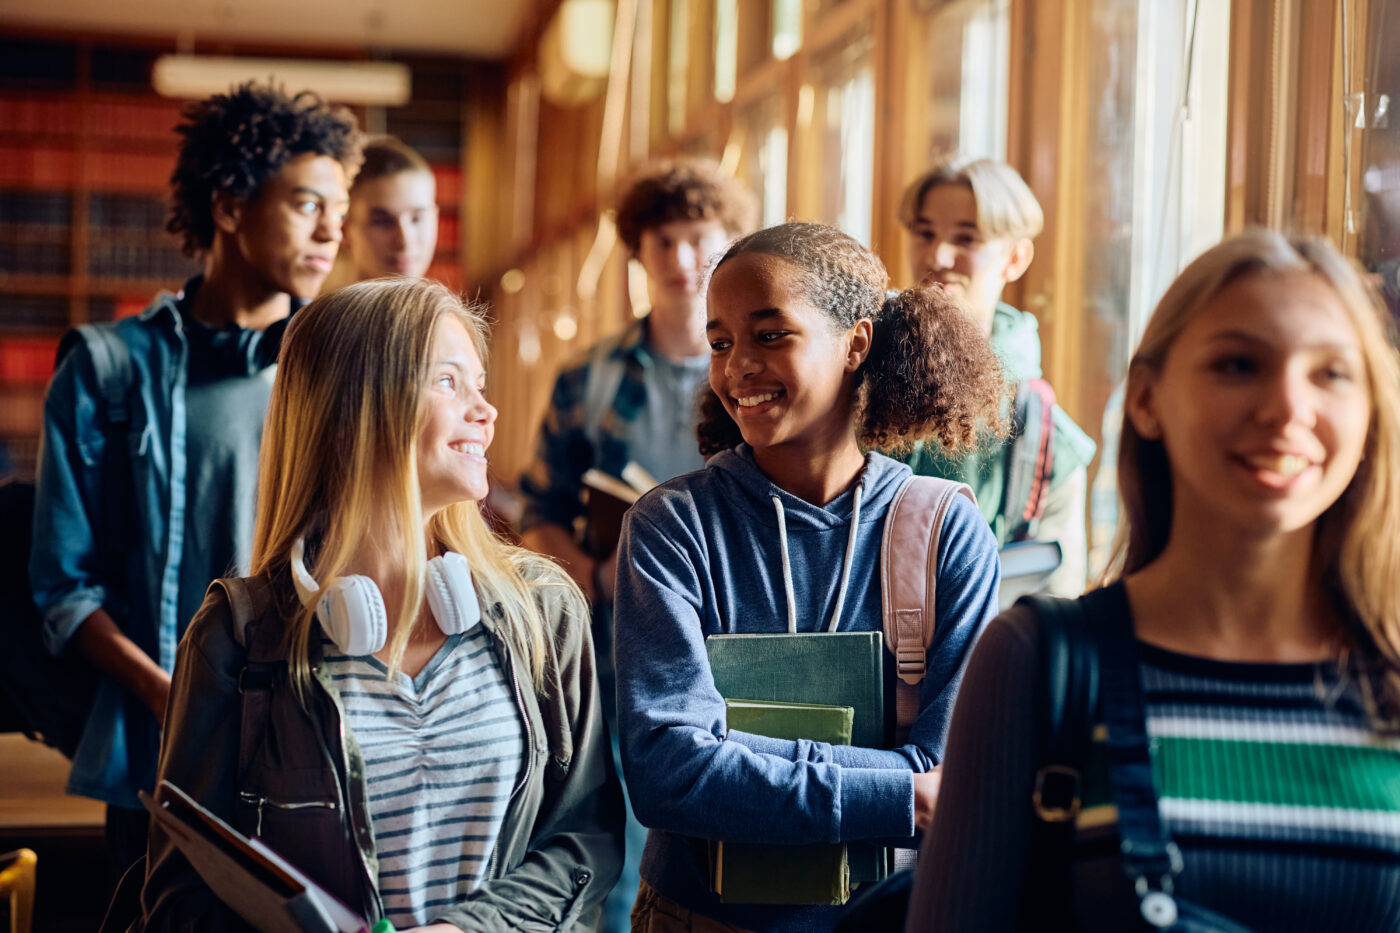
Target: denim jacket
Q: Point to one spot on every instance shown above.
(116, 756)
(289, 771)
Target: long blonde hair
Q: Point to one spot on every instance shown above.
(339, 457)
(1356, 543)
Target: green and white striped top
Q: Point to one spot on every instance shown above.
(1284, 801)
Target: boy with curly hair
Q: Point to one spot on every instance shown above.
(125, 545)
(633, 398)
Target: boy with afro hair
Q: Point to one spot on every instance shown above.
(126, 542)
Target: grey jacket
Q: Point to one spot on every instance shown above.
(238, 740)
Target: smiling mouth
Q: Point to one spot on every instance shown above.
(749, 401)
(1287, 466)
(473, 448)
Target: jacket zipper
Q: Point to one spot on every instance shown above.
(260, 801)
(349, 814)
(529, 747)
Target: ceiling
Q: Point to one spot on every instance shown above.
(477, 28)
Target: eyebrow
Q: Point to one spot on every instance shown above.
(318, 195)
(969, 224)
(762, 314)
(1243, 336)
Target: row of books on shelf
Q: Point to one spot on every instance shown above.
(51, 315)
(36, 208)
(56, 167)
(155, 260)
(63, 114)
(35, 257)
(37, 211)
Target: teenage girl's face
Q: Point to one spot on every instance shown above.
(781, 369)
(1262, 404)
(458, 422)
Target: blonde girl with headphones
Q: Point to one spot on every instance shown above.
(396, 700)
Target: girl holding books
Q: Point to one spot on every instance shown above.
(812, 369)
(1248, 655)
(397, 702)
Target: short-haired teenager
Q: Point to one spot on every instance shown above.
(392, 225)
(258, 191)
(971, 223)
(632, 396)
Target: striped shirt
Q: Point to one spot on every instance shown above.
(1284, 801)
(442, 752)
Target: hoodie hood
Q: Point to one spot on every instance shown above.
(1016, 340)
(751, 490)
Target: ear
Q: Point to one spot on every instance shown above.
(858, 344)
(226, 211)
(1018, 259)
(1140, 403)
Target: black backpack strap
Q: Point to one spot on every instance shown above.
(248, 603)
(1067, 692)
(1030, 459)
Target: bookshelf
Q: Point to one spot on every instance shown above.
(86, 151)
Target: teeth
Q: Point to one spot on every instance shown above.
(1282, 464)
(469, 447)
(751, 400)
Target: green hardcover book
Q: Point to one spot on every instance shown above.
(831, 668)
(755, 873)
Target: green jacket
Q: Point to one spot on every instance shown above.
(1016, 340)
(302, 787)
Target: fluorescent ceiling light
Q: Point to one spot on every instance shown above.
(197, 76)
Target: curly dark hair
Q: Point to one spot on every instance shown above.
(931, 373)
(235, 142)
(683, 189)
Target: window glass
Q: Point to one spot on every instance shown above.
(964, 74)
(842, 114)
(726, 49)
(677, 64)
(1154, 194)
(1375, 126)
(763, 158)
(787, 27)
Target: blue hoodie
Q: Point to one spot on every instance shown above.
(700, 555)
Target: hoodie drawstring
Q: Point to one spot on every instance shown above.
(845, 564)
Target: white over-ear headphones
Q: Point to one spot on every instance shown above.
(351, 609)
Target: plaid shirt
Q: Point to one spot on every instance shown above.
(584, 428)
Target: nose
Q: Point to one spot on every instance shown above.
(684, 256)
(1286, 399)
(328, 227)
(402, 232)
(743, 361)
(943, 254)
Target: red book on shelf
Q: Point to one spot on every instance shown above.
(36, 167)
(27, 360)
(449, 184)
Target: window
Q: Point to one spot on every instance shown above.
(1154, 193)
(964, 74)
(763, 159)
(1374, 128)
(839, 111)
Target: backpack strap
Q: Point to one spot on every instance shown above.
(248, 603)
(909, 583)
(1067, 696)
(1031, 458)
(111, 364)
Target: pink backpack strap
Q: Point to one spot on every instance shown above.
(909, 583)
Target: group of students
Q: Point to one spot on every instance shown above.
(409, 707)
